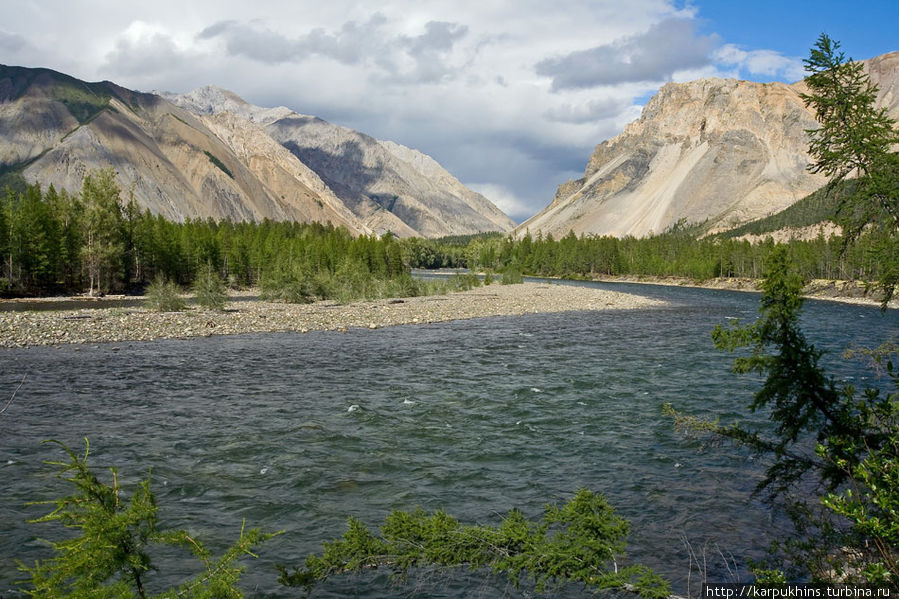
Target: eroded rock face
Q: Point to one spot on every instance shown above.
(721, 150)
(209, 154)
(54, 129)
(389, 187)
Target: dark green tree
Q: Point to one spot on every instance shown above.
(827, 438)
(856, 139)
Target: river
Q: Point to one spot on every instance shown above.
(295, 432)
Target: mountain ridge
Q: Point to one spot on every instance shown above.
(199, 160)
(724, 151)
(386, 185)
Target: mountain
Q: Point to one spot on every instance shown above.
(386, 185)
(716, 150)
(55, 128)
(182, 161)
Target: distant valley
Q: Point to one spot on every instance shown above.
(716, 151)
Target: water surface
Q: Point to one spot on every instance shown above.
(296, 432)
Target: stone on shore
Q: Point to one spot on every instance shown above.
(98, 325)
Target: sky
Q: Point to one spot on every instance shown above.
(510, 96)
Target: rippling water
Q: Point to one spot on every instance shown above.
(295, 432)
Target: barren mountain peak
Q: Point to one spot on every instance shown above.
(723, 151)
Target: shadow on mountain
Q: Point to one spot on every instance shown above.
(344, 172)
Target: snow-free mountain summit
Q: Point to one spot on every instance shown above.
(719, 151)
(227, 159)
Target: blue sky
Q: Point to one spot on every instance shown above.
(511, 97)
(866, 29)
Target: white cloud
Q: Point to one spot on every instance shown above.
(512, 96)
(504, 198)
(760, 62)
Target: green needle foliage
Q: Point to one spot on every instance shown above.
(577, 542)
(163, 295)
(110, 557)
(209, 289)
(856, 139)
(833, 451)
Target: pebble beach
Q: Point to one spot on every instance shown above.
(99, 324)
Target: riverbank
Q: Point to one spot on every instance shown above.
(849, 292)
(93, 325)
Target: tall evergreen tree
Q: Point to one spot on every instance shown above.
(855, 139)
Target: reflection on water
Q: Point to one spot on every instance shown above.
(295, 432)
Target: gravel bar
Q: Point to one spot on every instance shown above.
(27, 328)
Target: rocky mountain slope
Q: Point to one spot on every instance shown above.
(221, 160)
(54, 129)
(386, 185)
(721, 150)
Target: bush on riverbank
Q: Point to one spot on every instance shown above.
(209, 289)
(163, 295)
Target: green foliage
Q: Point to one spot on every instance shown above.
(675, 253)
(848, 531)
(464, 281)
(800, 397)
(814, 209)
(218, 163)
(855, 138)
(209, 289)
(163, 295)
(580, 541)
(103, 249)
(512, 274)
(110, 556)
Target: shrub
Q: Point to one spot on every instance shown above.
(110, 557)
(163, 295)
(209, 289)
(512, 275)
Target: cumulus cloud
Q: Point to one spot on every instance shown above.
(587, 112)
(760, 62)
(141, 50)
(348, 45)
(419, 58)
(11, 42)
(668, 46)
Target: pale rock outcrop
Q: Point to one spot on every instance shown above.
(716, 150)
(389, 187)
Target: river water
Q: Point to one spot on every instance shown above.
(295, 432)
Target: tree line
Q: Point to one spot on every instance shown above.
(676, 253)
(94, 241)
(53, 241)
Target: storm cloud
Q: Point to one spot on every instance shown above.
(655, 55)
